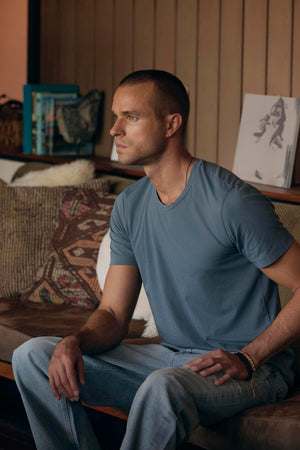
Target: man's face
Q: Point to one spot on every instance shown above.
(140, 136)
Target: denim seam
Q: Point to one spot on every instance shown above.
(68, 422)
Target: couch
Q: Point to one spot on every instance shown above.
(49, 242)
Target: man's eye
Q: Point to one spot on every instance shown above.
(132, 118)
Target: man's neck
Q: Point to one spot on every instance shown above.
(170, 174)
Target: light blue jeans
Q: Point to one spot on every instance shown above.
(167, 402)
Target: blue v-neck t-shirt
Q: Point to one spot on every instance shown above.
(199, 257)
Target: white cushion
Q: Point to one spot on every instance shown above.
(142, 309)
(76, 172)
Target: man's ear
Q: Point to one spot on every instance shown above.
(174, 122)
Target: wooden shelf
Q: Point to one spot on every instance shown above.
(105, 165)
(291, 195)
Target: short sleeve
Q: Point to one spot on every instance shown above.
(251, 223)
(120, 248)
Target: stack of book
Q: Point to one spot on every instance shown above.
(40, 129)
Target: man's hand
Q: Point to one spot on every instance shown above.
(217, 361)
(65, 367)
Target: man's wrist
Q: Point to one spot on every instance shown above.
(73, 339)
(248, 362)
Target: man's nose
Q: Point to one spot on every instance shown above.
(117, 128)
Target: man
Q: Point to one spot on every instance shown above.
(207, 247)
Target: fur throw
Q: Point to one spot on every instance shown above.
(69, 174)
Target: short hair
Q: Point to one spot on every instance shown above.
(171, 95)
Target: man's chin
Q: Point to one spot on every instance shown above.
(127, 160)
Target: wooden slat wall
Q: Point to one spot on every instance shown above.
(255, 46)
(144, 35)
(66, 68)
(230, 73)
(295, 85)
(221, 49)
(185, 61)
(279, 47)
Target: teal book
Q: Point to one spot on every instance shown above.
(53, 140)
(29, 112)
(43, 100)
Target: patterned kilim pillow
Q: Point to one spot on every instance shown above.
(28, 218)
(69, 274)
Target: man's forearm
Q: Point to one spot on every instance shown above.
(66, 369)
(284, 331)
(101, 332)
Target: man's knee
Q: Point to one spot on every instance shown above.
(33, 351)
(165, 392)
(164, 383)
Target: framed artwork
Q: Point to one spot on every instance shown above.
(267, 140)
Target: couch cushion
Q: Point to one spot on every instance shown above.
(28, 218)
(116, 183)
(290, 217)
(274, 427)
(10, 339)
(69, 273)
(21, 321)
